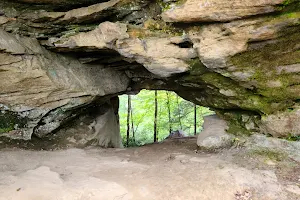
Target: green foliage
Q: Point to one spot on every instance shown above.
(291, 137)
(131, 142)
(143, 116)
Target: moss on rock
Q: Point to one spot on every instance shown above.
(240, 122)
(289, 6)
(10, 121)
(267, 62)
(154, 28)
(168, 5)
(196, 67)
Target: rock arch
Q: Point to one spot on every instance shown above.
(57, 64)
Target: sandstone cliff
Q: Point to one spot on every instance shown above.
(60, 59)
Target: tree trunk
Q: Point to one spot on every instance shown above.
(179, 112)
(132, 124)
(128, 119)
(169, 111)
(195, 119)
(155, 118)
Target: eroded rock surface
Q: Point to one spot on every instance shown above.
(161, 56)
(218, 10)
(214, 133)
(40, 89)
(240, 58)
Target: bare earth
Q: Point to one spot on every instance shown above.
(172, 170)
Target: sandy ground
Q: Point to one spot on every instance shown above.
(173, 170)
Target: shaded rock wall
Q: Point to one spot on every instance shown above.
(44, 89)
(241, 58)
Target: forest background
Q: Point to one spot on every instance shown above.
(150, 116)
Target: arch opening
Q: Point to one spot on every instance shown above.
(161, 114)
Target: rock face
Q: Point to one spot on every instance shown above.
(106, 129)
(40, 89)
(218, 10)
(163, 60)
(59, 59)
(282, 123)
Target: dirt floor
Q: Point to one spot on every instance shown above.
(172, 170)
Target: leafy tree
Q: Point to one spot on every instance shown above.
(170, 108)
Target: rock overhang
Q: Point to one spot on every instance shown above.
(242, 61)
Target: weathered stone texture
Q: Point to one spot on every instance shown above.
(59, 58)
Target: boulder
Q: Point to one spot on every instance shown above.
(214, 135)
(283, 123)
(177, 134)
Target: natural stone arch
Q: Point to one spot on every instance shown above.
(245, 67)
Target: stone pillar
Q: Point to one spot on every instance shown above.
(214, 133)
(107, 127)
